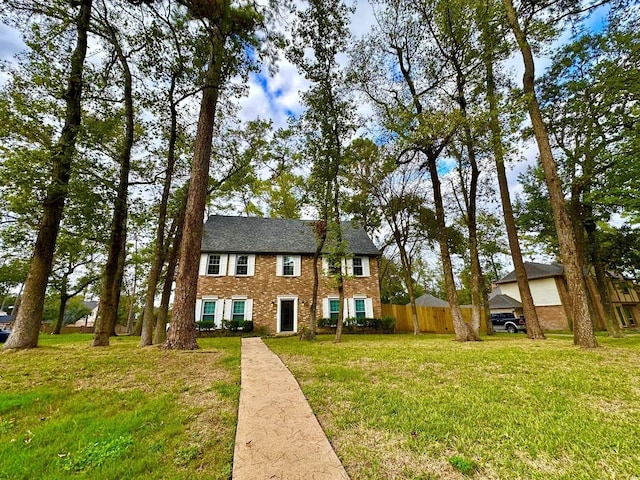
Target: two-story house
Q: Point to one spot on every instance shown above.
(551, 297)
(261, 269)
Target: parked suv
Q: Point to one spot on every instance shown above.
(508, 322)
(4, 334)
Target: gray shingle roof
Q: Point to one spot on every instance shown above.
(427, 300)
(503, 301)
(536, 270)
(274, 235)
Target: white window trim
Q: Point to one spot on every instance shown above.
(251, 264)
(325, 267)
(326, 306)
(297, 263)
(219, 310)
(366, 270)
(204, 265)
(248, 307)
(295, 311)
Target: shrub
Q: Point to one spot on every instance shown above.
(247, 326)
(349, 322)
(205, 325)
(372, 323)
(231, 325)
(327, 322)
(388, 322)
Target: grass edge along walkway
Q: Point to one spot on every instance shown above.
(277, 436)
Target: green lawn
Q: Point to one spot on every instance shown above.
(393, 406)
(405, 407)
(68, 410)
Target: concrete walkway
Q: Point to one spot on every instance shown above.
(278, 436)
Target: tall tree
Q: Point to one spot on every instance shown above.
(576, 285)
(173, 33)
(494, 49)
(328, 124)
(384, 192)
(412, 106)
(27, 324)
(587, 99)
(231, 32)
(112, 277)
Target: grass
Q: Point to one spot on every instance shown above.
(68, 410)
(405, 407)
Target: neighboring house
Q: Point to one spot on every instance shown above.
(500, 303)
(88, 320)
(261, 269)
(427, 300)
(551, 298)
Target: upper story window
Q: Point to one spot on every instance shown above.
(242, 265)
(333, 267)
(287, 266)
(213, 267)
(358, 270)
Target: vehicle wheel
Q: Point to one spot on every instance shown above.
(512, 329)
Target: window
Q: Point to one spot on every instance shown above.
(360, 308)
(242, 265)
(358, 270)
(334, 308)
(287, 266)
(213, 267)
(334, 267)
(238, 310)
(208, 311)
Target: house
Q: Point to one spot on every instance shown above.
(88, 320)
(261, 269)
(551, 298)
(428, 300)
(500, 303)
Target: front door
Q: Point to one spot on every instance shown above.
(286, 315)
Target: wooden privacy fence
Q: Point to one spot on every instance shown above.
(430, 319)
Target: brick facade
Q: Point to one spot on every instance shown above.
(267, 290)
(552, 318)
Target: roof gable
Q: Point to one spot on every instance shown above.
(535, 270)
(274, 235)
(427, 300)
(504, 301)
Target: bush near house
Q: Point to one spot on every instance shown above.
(386, 324)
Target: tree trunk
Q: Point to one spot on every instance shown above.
(160, 334)
(160, 247)
(477, 289)
(407, 270)
(582, 326)
(110, 293)
(320, 234)
(182, 334)
(26, 326)
(462, 331)
(534, 331)
(117, 285)
(61, 309)
(602, 281)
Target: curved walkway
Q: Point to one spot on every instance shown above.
(278, 436)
